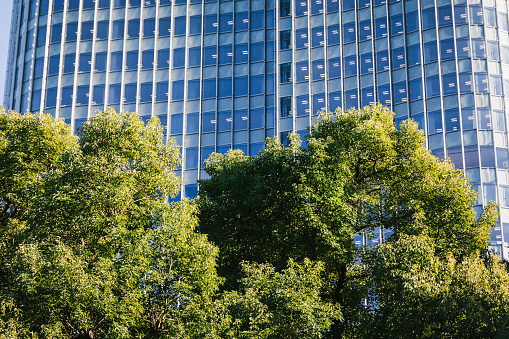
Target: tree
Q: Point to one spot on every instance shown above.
(427, 296)
(359, 175)
(99, 253)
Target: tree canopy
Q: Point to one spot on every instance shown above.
(358, 176)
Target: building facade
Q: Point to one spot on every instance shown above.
(228, 74)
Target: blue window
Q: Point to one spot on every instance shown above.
(241, 119)
(396, 24)
(163, 58)
(117, 31)
(301, 39)
(414, 55)
(435, 122)
(177, 123)
(27, 70)
(447, 49)
(195, 23)
(193, 123)
(85, 62)
(270, 52)
(302, 71)
(147, 59)
(351, 99)
(465, 82)
(114, 94)
(332, 6)
(432, 86)
(98, 94)
(257, 118)
(226, 22)
(492, 50)
(134, 3)
(191, 157)
(180, 25)
(66, 96)
(208, 122)
(399, 90)
(481, 82)
(58, 5)
(270, 83)
(56, 33)
(384, 94)
(475, 15)
(69, 62)
(257, 51)
(368, 96)
(102, 30)
(209, 88)
(449, 84)
(162, 91)
(302, 102)
(256, 84)
(133, 28)
(285, 105)
(444, 16)
(349, 34)
(301, 7)
(478, 48)
(284, 8)
(381, 27)
(210, 23)
(285, 72)
(225, 87)
(179, 57)
(496, 85)
(348, 5)
(193, 89)
(398, 57)
(467, 118)
(149, 27)
(191, 191)
(87, 30)
(51, 97)
(316, 7)
(382, 61)
(146, 92)
(116, 61)
(257, 20)
(72, 31)
(487, 158)
(430, 52)
(39, 67)
(104, 3)
(131, 62)
(36, 100)
(503, 21)
(41, 35)
(333, 36)
(209, 55)
(54, 64)
(366, 63)
(205, 152)
(460, 14)
(334, 67)
(462, 48)
(241, 53)
(365, 30)
(484, 117)
(178, 90)
(416, 91)
(165, 26)
(224, 119)
(130, 93)
(317, 36)
(194, 56)
(452, 120)
(43, 7)
(412, 21)
(225, 54)
(503, 159)
(241, 21)
(334, 100)
(428, 18)
(318, 69)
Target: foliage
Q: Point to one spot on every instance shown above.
(100, 253)
(425, 296)
(358, 175)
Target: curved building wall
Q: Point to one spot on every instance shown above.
(228, 74)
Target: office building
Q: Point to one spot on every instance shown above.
(228, 74)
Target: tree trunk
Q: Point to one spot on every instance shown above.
(338, 329)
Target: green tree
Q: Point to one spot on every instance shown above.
(427, 296)
(99, 253)
(358, 175)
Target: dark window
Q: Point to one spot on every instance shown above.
(349, 34)
(133, 28)
(56, 33)
(117, 31)
(69, 62)
(285, 71)
(193, 89)
(147, 59)
(163, 58)
(285, 105)
(225, 87)
(209, 55)
(241, 21)
(131, 62)
(285, 39)
(149, 27)
(226, 22)
(72, 31)
(241, 53)
(165, 26)
(116, 61)
(195, 24)
(102, 30)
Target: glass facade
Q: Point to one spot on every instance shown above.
(228, 74)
